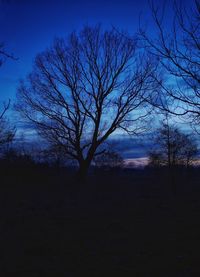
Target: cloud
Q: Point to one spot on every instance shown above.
(136, 162)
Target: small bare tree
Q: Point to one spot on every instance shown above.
(178, 52)
(172, 147)
(7, 132)
(55, 155)
(84, 88)
(109, 160)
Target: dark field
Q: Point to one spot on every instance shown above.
(137, 223)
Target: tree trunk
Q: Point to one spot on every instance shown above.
(83, 171)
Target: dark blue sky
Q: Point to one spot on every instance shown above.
(28, 27)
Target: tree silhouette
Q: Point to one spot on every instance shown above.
(109, 160)
(84, 88)
(172, 147)
(178, 52)
(7, 132)
(55, 155)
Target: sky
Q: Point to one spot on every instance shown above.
(28, 27)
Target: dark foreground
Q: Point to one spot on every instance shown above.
(132, 224)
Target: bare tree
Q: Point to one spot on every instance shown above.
(178, 52)
(109, 160)
(172, 147)
(84, 88)
(55, 155)
(7, 132)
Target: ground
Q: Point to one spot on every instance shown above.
(128, 224)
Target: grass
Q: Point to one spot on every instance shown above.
(129, 224)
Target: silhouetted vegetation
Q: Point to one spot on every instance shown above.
(172, 147)
(82, 90)
(7, 131)
(177, 47)
(108, 161)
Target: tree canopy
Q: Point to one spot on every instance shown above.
(84, 88)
